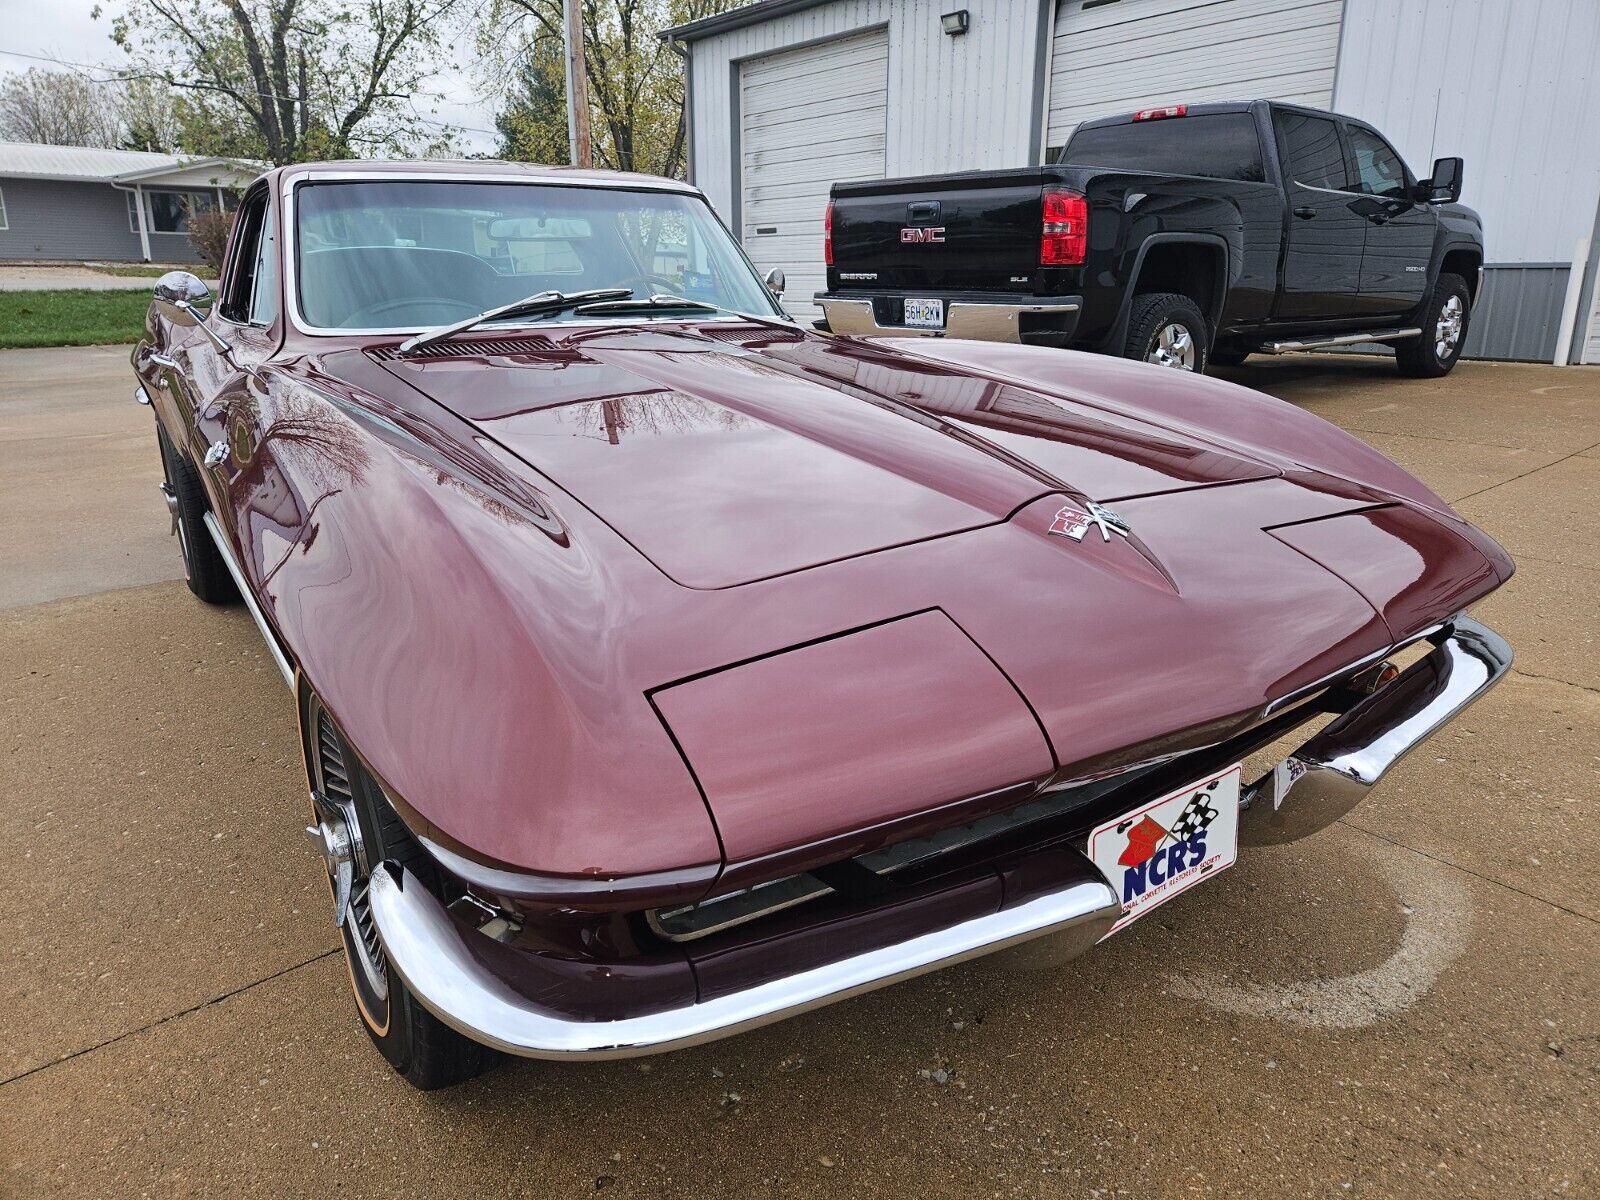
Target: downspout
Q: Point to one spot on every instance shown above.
(138, 204)
(681, 49)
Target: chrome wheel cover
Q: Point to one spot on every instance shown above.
(1173, 347)
(337, 835)
(1447, 330)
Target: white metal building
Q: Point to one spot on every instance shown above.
(788, 96)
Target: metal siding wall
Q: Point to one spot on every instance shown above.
(1518, 314)
(955, 103)
(1512, 88)
(1143, 53)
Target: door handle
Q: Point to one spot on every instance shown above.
(1305, 212)
(161, 360)
(1379, 218)
(217, 454)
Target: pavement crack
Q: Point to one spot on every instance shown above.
(170, 1017)
(1564, 458)
(1489, 879)
(1582, 687)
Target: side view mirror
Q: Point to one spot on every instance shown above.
(179, 298)
(775, 281)
(1445, 185)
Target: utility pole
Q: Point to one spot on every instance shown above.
(577, 88)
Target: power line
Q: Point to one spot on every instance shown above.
(121, 77)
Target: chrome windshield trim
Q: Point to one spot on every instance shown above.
(432, 954)
(288, 241)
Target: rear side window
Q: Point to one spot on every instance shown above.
(1311, 151)
(1218, 146)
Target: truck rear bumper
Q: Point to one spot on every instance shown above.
(998, 320)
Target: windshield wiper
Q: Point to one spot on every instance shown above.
(539, 302)
(669, 303)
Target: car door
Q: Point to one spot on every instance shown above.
(1325, 234)
(1400, 232)
(229, 390)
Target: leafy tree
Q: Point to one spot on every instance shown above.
(635, 80)
(58, 108)
(290, 80)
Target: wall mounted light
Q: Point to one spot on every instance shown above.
(955, 22)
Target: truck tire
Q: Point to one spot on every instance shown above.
(1444, 331)
(1167, 329)
(203, 569)
(1224, 355)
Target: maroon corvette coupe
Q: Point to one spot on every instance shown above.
(665, 669)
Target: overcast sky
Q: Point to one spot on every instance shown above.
(64, 29)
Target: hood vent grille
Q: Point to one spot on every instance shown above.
(479, 348)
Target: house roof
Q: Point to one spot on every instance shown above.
(748, 14)
(91, 164)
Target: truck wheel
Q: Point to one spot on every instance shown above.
(1167, 329)
(203, 568)
(1444, 331)
(357, 830)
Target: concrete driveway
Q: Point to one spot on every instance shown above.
(1405, 1005)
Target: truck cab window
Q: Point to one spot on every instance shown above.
(1379, 170)
(1210, 145)
(1311, 151)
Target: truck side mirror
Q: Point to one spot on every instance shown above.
(1445, 185)
(775, 281)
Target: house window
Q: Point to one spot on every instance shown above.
(133, 213)
(170, 211)
(4, 224)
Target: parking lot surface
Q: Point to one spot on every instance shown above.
(1407, 1004)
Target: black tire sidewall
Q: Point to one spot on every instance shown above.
(204, 571)
(1155, 312)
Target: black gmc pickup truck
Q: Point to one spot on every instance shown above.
(1184, 235)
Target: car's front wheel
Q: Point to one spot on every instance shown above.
(203, 569)
(1168, 329)
(1444, 331)
(357, 830)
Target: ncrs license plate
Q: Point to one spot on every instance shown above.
(925, 314)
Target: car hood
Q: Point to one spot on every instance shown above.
(724, 463)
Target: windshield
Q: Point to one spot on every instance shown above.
(404, 255)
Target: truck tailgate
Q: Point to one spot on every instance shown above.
(977, 231)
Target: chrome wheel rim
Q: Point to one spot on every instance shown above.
(1447, 330)
(1173, 347)
(337, 835)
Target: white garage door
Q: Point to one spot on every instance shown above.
(1111, 58)
(808, 118)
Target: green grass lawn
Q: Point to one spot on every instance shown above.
(74, 317)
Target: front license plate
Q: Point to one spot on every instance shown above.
(1169, 845)
(925, 314)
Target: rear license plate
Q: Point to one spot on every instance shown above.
(925, 314)
(1167, 846)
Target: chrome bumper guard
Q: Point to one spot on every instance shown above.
(1334, 771)
(430, 952)
(975, 320)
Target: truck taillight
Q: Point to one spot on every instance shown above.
(1161, 114)
(1065, 234)
(827, 234)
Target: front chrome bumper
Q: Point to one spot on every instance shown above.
(1334, 771)
(1328, 776)
(976, 320)
(432, 955)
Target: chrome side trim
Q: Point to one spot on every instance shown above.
(434, 958)
(1336, 769)
(271, 638)
(977, 320)
(1344, 339)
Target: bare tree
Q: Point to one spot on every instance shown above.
(290, 80)
(635, 80)
(58, 108)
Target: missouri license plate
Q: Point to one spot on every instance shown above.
(925, 314)
(1165, 847)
